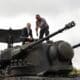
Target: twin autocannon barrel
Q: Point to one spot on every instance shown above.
(75, 46)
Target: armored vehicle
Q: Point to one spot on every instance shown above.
(38, 60)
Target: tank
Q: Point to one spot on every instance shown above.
(39, 60)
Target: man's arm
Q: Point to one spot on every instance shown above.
(37, 26)
(31, 35)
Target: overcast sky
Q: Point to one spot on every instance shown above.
(53, 7)
(16, 13)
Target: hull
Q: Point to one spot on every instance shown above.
(41, 78)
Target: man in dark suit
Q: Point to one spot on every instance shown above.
(27, 33)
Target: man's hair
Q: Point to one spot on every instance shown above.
(37, 15)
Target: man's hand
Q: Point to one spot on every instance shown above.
(30, 39)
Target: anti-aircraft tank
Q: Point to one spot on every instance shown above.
(42, 61)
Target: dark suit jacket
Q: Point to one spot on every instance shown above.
(26, 34)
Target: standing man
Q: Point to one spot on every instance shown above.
(43, 25)
(27, 33)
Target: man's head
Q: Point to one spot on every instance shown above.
(38, 17)
(28, 25)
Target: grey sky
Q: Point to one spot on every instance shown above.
(53, 7)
